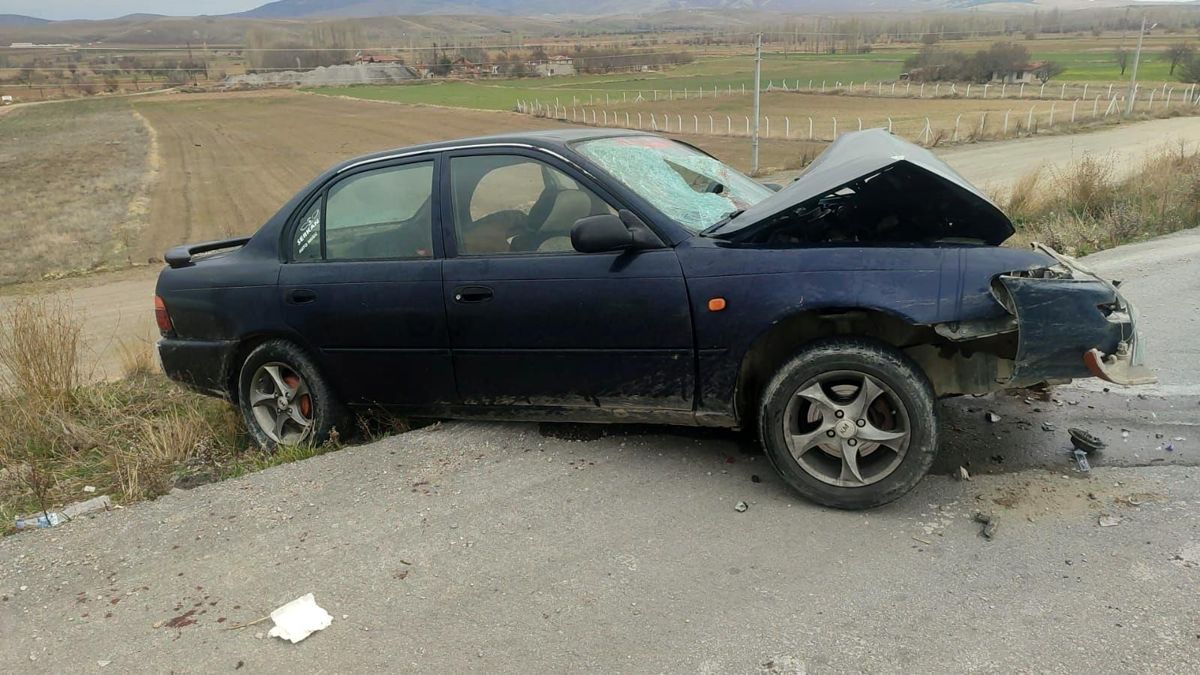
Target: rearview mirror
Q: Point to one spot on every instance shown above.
(607, 232)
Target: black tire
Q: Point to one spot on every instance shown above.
(904, 384)
(324, 411)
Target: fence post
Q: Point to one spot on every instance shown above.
(810, 128)
(1063, 95)
(624, 97)
(1167, 103)
(1085, 86)
(922, 92)
(679, 120)
(907, 88)
(893, 89)
(1004, 133)
(1150, 103)
(822, 86)
(958, 119)
(1051, 124)
(937, 87)
(1096, 107)
(985, 88)
(879, 89)
(835, 128)
(695, 124)
(1003, 89)
(711, 129)
(640, 121)
(728, 125)
(860, 124)
(626, 120)
(1029, 122)
(747, 125)
(787, 127)
(982, 124)
(1021, 93)
(968, 94)
(1042, 91)
(889, 125)
(605, 117)
(766, 127)
(928, 131)
(685, 93)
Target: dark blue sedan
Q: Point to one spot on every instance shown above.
(614, 276)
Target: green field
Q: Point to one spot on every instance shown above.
(1091, 64)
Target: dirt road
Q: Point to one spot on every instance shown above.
(471, 547)
(228, 161)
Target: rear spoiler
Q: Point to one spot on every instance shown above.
(181, 256)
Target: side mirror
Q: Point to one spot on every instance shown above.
(603, 233)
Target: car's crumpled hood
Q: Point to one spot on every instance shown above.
(861, 154)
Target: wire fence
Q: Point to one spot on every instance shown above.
(968, 126)
(1064, 91)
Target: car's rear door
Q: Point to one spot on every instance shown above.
(535, 323)
(362, 285)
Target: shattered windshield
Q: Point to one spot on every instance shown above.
(685, 184)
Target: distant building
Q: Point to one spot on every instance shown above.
(555, 66)
(6, 100)
(463, 67)
(1026, 74)
(377, 58)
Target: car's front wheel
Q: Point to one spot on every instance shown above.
(850, 423)
(284, 398)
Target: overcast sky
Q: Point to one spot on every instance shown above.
(107, 9)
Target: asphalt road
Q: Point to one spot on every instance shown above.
(522, 547)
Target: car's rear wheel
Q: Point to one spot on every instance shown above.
(850, 423)
(284, 398)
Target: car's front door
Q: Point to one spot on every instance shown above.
(535, 323)
(363, 285)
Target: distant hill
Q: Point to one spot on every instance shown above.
(19, 20)
(302, 9)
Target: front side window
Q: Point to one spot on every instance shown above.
(514, 204)
(383, 213)
(687, 185)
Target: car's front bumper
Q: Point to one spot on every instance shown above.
(200, 365)
(1073, 324)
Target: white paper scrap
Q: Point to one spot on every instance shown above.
(299, 618)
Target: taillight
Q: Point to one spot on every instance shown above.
(161, 317)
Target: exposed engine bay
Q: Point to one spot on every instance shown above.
(900, 203)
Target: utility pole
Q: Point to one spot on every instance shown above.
(1137, 55)
(757, 86)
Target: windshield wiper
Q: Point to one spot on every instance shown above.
(721, 223)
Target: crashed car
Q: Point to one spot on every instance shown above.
(616, 276)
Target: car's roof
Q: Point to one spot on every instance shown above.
(553, 139)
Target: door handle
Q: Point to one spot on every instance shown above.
(472, 294)
(300, 296)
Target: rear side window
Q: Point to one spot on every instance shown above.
(385, 213)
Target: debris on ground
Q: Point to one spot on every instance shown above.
(992, 417)
(754, 478)
(298, 619)
(741, 507)
(1085, 441)
(963, 474)
(1108, 520)
(1046, 426)
(38, 521)
(989, 524)
(93, 505)
(1081, 460)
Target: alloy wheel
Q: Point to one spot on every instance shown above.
(282, 403)
(847, 428)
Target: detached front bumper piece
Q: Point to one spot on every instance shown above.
(1072, 324)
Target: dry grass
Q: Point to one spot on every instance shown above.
(131, 439)
(70, 173)
(1085, 209)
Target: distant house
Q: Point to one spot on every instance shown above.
(464, 67)
(6, 100)
(555, 66)
(377, 58)
(1026, 74)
